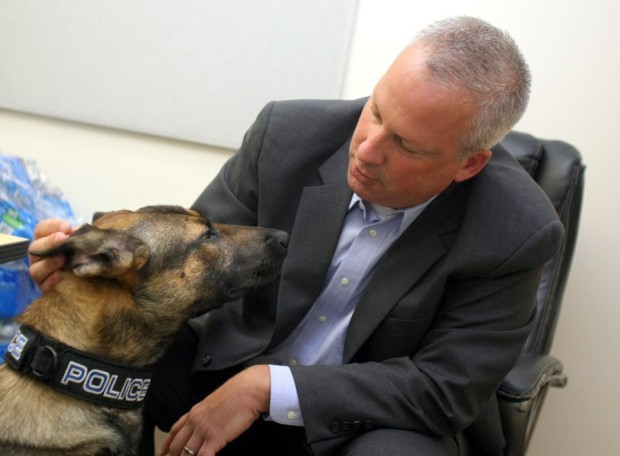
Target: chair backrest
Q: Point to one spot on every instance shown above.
(557, 167)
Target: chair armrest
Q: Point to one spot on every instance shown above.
(531, 374)
(521, 396)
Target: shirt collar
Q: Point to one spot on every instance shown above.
(379, 213)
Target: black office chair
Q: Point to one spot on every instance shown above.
(558, 169)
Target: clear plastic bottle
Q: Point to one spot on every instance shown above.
(25, 199)
(8, 327)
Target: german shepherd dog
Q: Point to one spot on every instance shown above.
(76, 371)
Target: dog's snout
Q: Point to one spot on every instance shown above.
(276, 247)
(279, 237)
(259, 262)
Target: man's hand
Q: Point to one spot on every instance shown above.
(47, 234)
(223, 415)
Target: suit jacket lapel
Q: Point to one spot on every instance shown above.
(314, 237)
(320, 215)
(418, 248)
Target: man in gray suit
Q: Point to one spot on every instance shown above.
(413, 265)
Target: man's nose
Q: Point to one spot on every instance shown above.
(373, 149)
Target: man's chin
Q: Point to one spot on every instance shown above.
(363, 190)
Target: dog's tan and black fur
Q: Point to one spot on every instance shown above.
(131, 280)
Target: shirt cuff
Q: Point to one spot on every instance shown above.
(284, 403)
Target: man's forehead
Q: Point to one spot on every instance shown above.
(396, 122)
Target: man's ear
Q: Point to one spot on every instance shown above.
(473, 164)
(93, 252)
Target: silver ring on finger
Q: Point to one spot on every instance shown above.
(188, 451)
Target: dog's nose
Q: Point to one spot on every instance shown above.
(280, 237)
(276, 242)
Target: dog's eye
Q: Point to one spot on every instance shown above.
(211, 231)
(209, 234)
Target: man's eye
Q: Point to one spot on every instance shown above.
(400, 143)
(374, 112)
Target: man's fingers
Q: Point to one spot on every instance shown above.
(48, 234)
(51, 226)
(165, 449)
(45, 243)
(46, 273)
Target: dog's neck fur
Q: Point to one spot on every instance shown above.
(54, 315)
(20, 421)
(94, 330)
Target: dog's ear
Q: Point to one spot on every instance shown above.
(93, 252)
(98, 215)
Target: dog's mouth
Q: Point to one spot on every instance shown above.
(263, 275)
(225, 292)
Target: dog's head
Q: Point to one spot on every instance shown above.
(174, 257)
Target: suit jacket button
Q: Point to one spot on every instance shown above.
(357, 425)
(368, 425)
(347, 426)
(335, 427)
(206, 360)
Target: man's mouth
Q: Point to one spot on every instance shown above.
(360, 175)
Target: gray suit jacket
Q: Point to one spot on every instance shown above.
(447, 309)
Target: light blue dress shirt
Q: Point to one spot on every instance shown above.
(368, 232)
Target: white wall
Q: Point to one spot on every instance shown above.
(155, 66)
(572, 50)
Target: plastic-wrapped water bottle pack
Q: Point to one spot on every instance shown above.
(25, 199)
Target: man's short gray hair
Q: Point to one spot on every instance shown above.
(485, 63)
